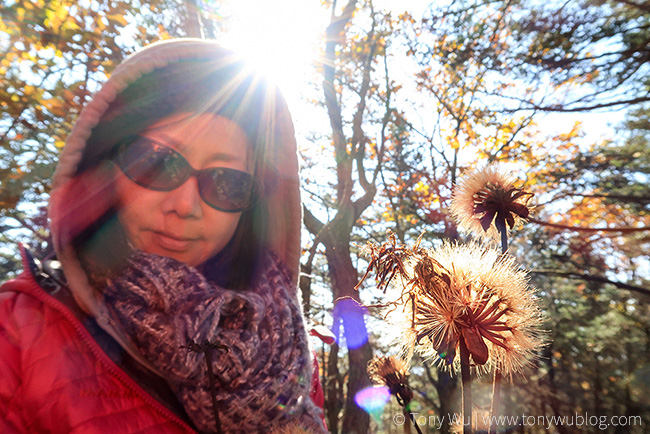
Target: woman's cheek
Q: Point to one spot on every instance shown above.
(137, 210)
(218, 229)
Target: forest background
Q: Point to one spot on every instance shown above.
(403, 102)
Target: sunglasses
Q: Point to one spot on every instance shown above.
(159, 167)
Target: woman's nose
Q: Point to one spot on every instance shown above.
(185, 200)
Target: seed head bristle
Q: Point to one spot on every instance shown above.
(391, 372)
(477, 295)
(486, 201)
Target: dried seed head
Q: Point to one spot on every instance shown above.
(474, 294)
(486, 202)
(391, 372)
(387, 260)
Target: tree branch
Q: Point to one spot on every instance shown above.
(592, 278)
(564, 109)
(312, 224)
(585, 229)
(358, 137)
(335, 35)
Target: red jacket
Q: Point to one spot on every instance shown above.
(55, 378)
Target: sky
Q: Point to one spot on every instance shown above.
(283, 38)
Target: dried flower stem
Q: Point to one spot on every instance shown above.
(504, 238)
(392, 372)
(496, 382)
(466, 382)
(417, 428)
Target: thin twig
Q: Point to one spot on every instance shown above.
(205, 349)
(624, 230)
(417, 428)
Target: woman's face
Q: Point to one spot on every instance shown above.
(178, 223)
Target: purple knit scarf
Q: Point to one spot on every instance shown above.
(261, 361)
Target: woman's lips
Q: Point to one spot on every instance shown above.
(172, 243)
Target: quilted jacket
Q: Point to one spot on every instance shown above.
(55, 378)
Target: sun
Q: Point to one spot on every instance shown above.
(279, 37)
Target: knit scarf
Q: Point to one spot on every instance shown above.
(255, 341)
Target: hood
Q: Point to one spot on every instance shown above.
(75, 196)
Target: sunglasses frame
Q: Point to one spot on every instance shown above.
(129, 140)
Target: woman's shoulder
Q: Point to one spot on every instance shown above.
(23, 303)
(27, 302)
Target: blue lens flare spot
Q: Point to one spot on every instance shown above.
(350, 314)
(373, 399)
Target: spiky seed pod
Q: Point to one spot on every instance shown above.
(391, 372)
(487, 201)
(387, 259)
(475, 294)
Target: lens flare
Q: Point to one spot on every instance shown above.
(373, 399)
(351, 315)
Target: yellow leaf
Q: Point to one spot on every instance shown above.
(101, 23)
(68, 95)
(70, 24)
(55, 106)
(118, 18)
(62, 13)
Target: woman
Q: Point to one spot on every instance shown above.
(175, 216)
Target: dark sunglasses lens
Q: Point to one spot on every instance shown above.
(151, 165)
(227, 189)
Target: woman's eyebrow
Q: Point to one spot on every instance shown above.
(223, 156)
(216, 156)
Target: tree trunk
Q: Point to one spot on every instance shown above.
(304, 284)
(344, 277)
(333, 392)
(554, 400)
(446, 387)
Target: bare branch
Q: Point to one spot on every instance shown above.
(585, 229)
(26, 225)
(592, 278)
(584, 108)
(312, 224)
(335, 35)
(358, 137)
